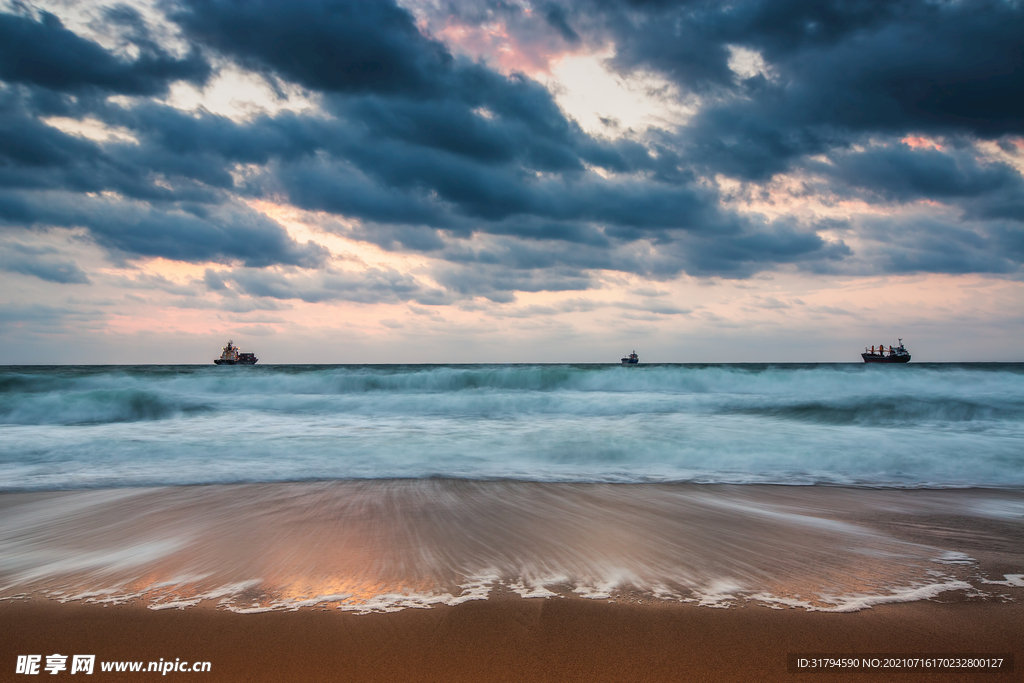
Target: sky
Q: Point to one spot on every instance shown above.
(332, 181)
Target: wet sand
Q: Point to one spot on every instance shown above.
(383, 545)
(513, 639)
(435, 580)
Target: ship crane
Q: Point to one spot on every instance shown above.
(899, 354)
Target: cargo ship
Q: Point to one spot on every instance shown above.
(631, 359)
(230, 356)
(898, 354)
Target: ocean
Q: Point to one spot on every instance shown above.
(373, 488)
(917, 425)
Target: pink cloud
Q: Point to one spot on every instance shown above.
(918, 142)
(508, 50)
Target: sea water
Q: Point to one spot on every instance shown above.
(917, 425)
(374, 488)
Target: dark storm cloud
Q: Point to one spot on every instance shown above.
(421, 148)
(897, 172)
(876, 64)
(34, 155)
(557, 17)
(747, 253)
(27, 142)
(415, 149)
(177, 176)
(510, 265)
(325, 45)
(1009, 240)
(411, 177)
(223, 233)
(392, 181)
(423, 126)
(404, 162)
(489, 119)
(43, 52)
(504, 265)
(838, 70)
(924, 244)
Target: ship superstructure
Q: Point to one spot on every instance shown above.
(230, 355)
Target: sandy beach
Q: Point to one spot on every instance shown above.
(435, 580)
(515, 639)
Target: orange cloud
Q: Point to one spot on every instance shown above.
(919, 142)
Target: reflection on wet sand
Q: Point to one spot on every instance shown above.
(385, 545)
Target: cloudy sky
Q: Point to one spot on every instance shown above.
(492, 180)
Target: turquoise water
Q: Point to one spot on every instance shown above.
(919, 425)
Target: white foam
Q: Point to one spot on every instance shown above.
(537, 588)
(1012, 580)
(954, 557)
(599, 592)
(176, 604)
(859, 601)
(224, 593)
(292, 605)
(719, 594)
(396, 602)
(112, 595)
(611, 578)
(476, 588)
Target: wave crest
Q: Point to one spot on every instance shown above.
(92, 407)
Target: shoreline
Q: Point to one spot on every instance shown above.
(369, 546)
(646, 582)
(508, 638)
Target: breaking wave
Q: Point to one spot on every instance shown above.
(92, 407)
(914, 425)
(830, 394)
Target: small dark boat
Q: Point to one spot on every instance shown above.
(631, 359)
(898, 354)
(230, 356)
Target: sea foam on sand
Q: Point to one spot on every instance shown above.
(391, 545)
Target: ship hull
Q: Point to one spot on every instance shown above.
(630, 361)
(875, 358)
(221, 361)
